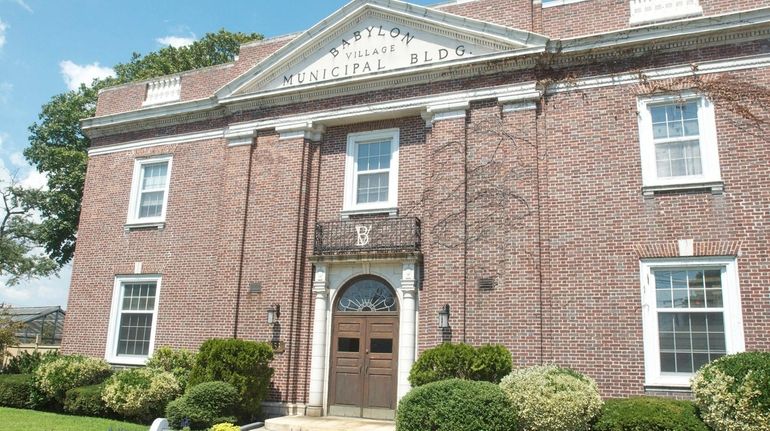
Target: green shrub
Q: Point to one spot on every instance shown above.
(243, 364)
(15, 390)
(87, 401)
(27, 363)
(549, 398)
(455, 405)
(649, 414)
(140, 394)
(225, 427)
(733, 392)
(55, 377)
(177, 362)
(204, 405)
(461, 361)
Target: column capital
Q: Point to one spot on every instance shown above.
(305, 130)
(319, 279)
(409, 278)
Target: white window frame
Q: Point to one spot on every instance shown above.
(710, 176)
(136, 185)
(731, 301)
(351, 173)
(115, 313)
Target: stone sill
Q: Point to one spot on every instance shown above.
(716, 188)
(160, 225)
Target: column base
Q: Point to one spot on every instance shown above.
(314, 411)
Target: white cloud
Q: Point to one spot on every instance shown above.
(36, 293)
(17, 159)
(3, 28)
(176, 41)
(75, 74)
(24, 6)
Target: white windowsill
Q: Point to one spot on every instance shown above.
(123, 360)
(160, 225)
(390, 211)
(716, 187)
(560, 3)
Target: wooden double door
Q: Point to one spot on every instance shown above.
(363, 376)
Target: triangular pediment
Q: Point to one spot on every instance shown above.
(372, 37)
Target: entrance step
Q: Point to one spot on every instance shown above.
(327, 423)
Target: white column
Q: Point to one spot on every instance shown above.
(318, 349)
(407, 334)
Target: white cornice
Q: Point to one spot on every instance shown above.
(154, 142)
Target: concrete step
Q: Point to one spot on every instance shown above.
(326, 423)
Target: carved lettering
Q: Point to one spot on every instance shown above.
(414, 59)
(288, 80)
(460, 50)
(357, 35)
(394, 32)
(443, 53)
(369, 29)
(407, 38)
(334, 52)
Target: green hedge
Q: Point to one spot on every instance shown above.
(87, 401)
(550, 398)
(27, 363)
(55, 377)
(455, 405)
(243, 364)
(176, 361)
(15, 390)
(733, 392)
(204, 405)
(649, 414)
(447, 361)
(140, 394)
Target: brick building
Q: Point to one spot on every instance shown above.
(583, 181)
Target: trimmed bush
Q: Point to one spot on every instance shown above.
(55, 377)
(455, 405)
(177, 362)
(461, 361)
(243, 364)
(733, 392)
(649, 414)
(550, 398)
(87, 401)
(27, 363)
(204, 405)
(225, 427)
(140, 394)
(15, 390)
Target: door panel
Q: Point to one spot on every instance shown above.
(363, 368)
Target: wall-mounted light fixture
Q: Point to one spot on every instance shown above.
(443, 317)
(273, 314)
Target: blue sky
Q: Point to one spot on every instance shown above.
(48, 46)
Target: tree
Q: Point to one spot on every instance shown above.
(19, 233)
(58, 146)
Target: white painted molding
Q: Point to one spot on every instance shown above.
(301, 130)
(528, 105)
(153, 142)
(445, 111)
(167, 89)
(553, 3)
(647, 11)
(240, 140)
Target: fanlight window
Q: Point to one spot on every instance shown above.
(367, 294)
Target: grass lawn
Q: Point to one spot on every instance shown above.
(30, 420)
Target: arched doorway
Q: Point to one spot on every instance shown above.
(364, 350)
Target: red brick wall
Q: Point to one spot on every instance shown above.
(510, 13)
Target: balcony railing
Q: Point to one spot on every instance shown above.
(647, 11)
(365, 236)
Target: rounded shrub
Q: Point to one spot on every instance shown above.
(550, 398)
(455, 405)
(15, 390)
(243, 364)
(178, 362)
(55, 377)
(87, 401)
(140, 394)
(649, 414)
(204, 405)
(225, 427)
(461, 361)
(733, 392)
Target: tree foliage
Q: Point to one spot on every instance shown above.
(58, 146)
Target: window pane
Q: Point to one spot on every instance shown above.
(373, 155)
(372, 188)
(154, 176)
(687, 339)
(345, 344)
(714, 298)
(134, 334)
(151, 204)
(381, 345)
(667, 363)
(139, 296)
(691, 128)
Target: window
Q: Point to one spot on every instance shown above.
(133, 319)
(691, 316)
(149, 190)
(678, 143)
(371, 172)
